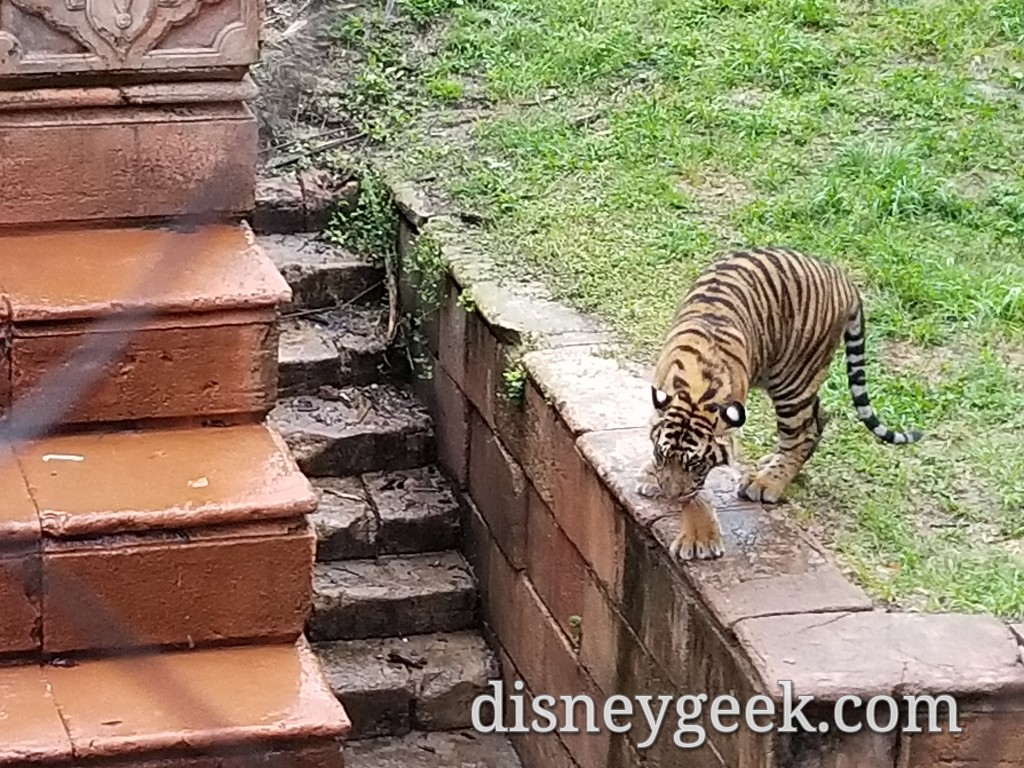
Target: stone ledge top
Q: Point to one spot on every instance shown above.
(105, 483)
(85, 274)
(770, 567)
(590, 391)
(877, 653)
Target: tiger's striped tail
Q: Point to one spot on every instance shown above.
(854, 338)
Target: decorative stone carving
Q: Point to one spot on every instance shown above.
(40, 37)
(10, 52)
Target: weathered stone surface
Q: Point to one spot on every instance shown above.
(513, 309)
(251, 584)
(465, 749)
(392, 596)
(542, 656)
(417, 510)
(209, 92)
(660, 610)
(355, 430)
(345, 524)
(993, 739)
(591, 392)
(31, 730)
(1018, 630)
(19, 523)
(321, 274)
(197, 701)
(340, 349)
(171, 37)
(581, 504)
(835, 749)
(300, 202)
(91, 484)
(770, 566)
(306, 358)
(140, 323)
(557, 570)
(428, 682)
(127, 162)
(21, 598)
(916, 653)
(452, 339)
(499, 487)
(451, 415)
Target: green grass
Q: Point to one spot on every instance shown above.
(631, 140)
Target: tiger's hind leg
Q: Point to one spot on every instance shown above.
(801, 425)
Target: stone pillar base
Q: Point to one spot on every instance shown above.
(137, 152)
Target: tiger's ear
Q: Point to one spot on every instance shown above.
(660, 399)
(734, 414)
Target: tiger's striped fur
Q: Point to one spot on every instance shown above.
(769, 318)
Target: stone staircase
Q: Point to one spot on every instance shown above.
(395, 605)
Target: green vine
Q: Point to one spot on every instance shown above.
(514, 377)
(370, 228)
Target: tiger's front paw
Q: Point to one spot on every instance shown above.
(763, 487)
(700, 533)
(648, 489)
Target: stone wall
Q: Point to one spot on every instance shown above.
(543, 431)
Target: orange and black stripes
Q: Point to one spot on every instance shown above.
(770, 318)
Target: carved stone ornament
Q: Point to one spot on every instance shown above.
(10, 52)
(63, 36)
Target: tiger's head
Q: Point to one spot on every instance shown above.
(690, 438)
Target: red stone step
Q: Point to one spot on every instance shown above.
(128, 324)
(173, 537)
(266, 706)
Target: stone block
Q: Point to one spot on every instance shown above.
(660, 609)
(535, 750)
(300, 202)
(31, 729)
(991, 738)
(159, 480)
(130, 324)
(416, 509)
(590, 390)
(20, 602)
(169, 537)
(252, 583)
(452, 339)
(824, 656)
(581, 504)
(393, 596)
(127, 163)
(321, 274)
(836, 749)
(356, 430)
(166, 39)
(499, 488)
(449, 749)
(716, 666)
(557, 570)
(548, 664)
(485, 363)
(451, 426)
(345, 525)
(171, 706)
(770, 565)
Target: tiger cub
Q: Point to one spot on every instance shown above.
(769, 318)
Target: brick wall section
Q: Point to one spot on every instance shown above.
(580, 595)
